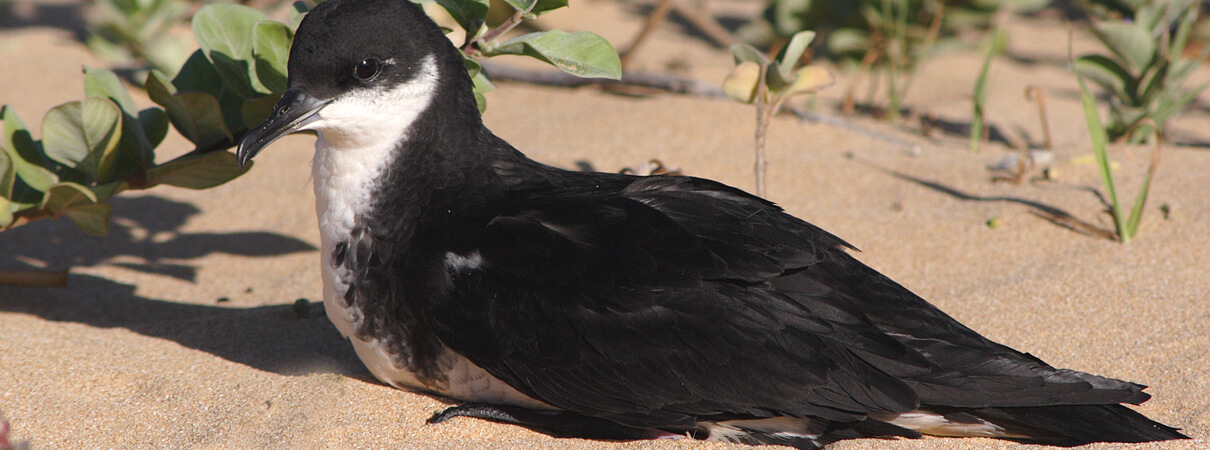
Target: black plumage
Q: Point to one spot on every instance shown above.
(636, 306)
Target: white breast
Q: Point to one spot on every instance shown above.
(358, 136)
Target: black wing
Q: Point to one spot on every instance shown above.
(680, 298)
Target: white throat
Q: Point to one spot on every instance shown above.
(358, 135)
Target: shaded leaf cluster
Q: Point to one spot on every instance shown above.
(1143, 69)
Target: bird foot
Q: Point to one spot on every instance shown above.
(554, 423)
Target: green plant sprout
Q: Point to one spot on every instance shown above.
(995, 47)
(1125, 226)
(93, 149)
(768, 84)
(1144, 71)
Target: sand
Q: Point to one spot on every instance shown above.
(177, 330)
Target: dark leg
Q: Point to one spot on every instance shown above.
(554, 423)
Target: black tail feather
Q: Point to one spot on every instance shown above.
(1072, 425)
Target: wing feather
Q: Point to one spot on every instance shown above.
(680, 298)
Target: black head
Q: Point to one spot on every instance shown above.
(361, 72)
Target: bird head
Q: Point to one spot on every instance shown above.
(361, 73)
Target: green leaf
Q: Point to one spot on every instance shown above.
(225, 34)
(271, 48)
(468, 13)
(1130, 42)
(298, 10)
(104, 83)
(790, 54)
(810, 79)
(134, 142)
(536, 7)
(6, 212)
(545, 6)
(198, 75)
(202, 171)
(1107, 73)
(775, 80)
(1140, 200)
(198, 116)
(980, 99)
(65, 195)
(8, 176)
(27, 159)
(80, 205)
(582, 53)
(154, 122)
(482, 84)
(745, 52)
(84, 135)
(1100, 143)
(257, 110)
(742, 82)
(92, 219)
(521, 5)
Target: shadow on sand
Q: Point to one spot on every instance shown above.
(271, 338)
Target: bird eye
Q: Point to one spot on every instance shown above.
(367, 69)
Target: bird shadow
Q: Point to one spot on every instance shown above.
(282, 339)
(143, 236)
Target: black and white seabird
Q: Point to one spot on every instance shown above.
(621, 307)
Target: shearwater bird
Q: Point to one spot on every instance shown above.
(614, 306)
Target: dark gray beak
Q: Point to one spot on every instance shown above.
(295, 110)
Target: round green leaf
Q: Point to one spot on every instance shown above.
(1130, 42)
(742, 82)
(104, 83)
(154, 122)
(24, 153)
(271, 48)
(582, 53)
(84, 135)
(224, 32)
(198, 116)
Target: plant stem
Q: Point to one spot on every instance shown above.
(512, 22)
(763, 115)
(1037, 95)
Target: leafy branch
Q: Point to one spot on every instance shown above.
(93, 149)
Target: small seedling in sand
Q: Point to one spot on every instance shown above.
(1125, 226)
(996, 46)
(768, 84)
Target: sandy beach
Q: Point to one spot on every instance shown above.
(178, 330)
